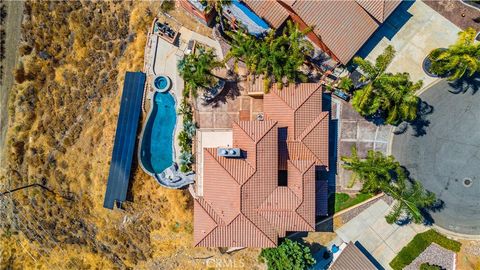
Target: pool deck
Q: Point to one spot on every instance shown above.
(161, 57)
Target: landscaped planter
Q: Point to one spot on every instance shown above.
(427, 64)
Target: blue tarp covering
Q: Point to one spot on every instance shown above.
(125, 137)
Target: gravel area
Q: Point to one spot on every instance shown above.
(434, 254)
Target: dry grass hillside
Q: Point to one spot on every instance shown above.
(63, 111)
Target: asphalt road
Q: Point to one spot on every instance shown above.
(448, 153)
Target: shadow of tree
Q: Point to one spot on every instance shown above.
(463, 85)
(230, 92)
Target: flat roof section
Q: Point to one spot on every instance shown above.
(125, 137)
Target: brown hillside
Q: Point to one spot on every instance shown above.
(63, 111)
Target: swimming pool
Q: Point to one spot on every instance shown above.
(156, 152)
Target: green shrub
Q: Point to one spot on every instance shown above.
(427, 266)
(418, 244)
(289, 255)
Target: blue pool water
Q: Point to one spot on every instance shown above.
(160, 82)
(157, 143)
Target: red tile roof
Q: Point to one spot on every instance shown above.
(379, 9)
(269, 10)
(343, 26)
(352, 258)
(242, 203)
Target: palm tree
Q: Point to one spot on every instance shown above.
(460, 59)
(390, 95)
(411, 198)
(373, 171)
(345, 84)
(401, 103)
(196, 69)
(383, 173)
(277, 58)
(372, 71)
(218, 6)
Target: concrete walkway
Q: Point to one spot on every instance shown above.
(382, 240)
(414, 30)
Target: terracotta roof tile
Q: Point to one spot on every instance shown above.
(352, 258)
(270, 10)
(379, 9)
(241, 195)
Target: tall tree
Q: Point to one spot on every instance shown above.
(383, 173)
(289, 255)
(390, 95)
(218, 6)
(410, 198)
(373, 170)
(458, 60)
(196, 71)
(277, 58)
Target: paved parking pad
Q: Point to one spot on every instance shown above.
(382, 240)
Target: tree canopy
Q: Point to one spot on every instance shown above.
(458, 60)
(289, 255)
(383, 173)
(196, 71)
(277, 58)
(391, 96)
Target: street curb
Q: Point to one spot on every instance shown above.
(419, 93)
(455, 235)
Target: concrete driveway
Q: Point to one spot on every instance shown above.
(447, 155)
(414, 29)
(381, 240)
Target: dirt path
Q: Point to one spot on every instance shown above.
(13, 31)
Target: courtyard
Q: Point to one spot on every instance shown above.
(445, 159)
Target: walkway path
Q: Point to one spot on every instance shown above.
(354, 130)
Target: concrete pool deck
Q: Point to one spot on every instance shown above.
(162, 58)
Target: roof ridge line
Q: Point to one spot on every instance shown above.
(216, 219)
(308, 97)
(216, 159)
(283, 100)
(303, 199)
(255, 225)
(216, 228)
(312, 125)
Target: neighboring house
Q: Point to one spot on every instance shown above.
(340, 28)
(197, 9)
(275, 186)
(351, 257)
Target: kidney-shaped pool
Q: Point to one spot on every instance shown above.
(156, 152)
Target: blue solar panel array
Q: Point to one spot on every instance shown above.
(125, 138)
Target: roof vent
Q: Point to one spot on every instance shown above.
(260, 117)
(229, 152)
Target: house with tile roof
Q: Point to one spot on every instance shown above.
(340, 28)
(275, 186)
